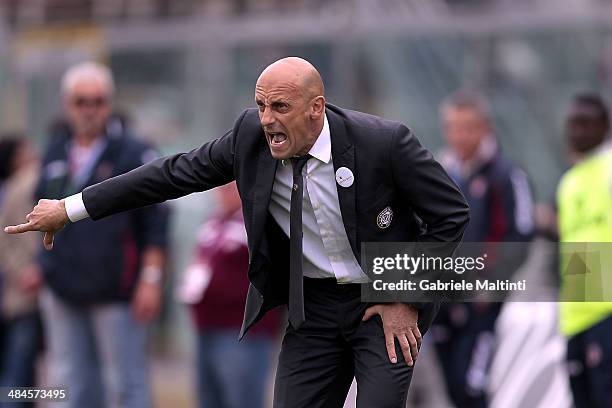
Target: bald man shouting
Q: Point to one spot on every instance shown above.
(315, 181)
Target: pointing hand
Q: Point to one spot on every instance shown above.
(49, 216)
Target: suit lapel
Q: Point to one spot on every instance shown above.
(266, 170)
(343, 155)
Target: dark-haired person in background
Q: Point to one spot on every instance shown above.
(19, 274)
(584, 200)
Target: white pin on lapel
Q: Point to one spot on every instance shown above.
(344, 177)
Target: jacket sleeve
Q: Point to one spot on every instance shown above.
(150, 223)
(434, 197)
(201, 169)
(424, 184)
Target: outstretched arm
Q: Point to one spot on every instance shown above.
(201, 169)
(208, 166)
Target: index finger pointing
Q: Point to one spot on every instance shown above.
(18, 229)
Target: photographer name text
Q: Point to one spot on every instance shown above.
(452, 285)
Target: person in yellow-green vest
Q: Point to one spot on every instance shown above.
(584, 200)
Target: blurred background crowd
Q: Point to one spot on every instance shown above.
(146, 311)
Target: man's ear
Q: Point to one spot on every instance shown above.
(317, 107)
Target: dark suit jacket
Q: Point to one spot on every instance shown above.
(391, 168)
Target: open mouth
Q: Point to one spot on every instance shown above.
(276, 139)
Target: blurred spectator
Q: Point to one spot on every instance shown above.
(19, 320)
(231, 374)
(501, 210)
(103, 281)
(585, 215)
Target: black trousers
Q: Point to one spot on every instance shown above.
(589, 358)
(318, 361)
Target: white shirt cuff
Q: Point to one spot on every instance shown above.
(75, 208)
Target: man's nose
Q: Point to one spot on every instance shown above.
(266, 117)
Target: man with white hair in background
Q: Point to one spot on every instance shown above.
(103, 283)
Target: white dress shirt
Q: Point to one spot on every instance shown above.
(327, 251)
(75, 208)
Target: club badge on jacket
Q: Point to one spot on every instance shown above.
(384, 218)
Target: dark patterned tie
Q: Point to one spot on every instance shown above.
(296, 276)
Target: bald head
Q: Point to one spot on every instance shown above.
(295, 72)
(291, 101)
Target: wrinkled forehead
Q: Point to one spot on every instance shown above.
(275, 81)
(272, 92)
